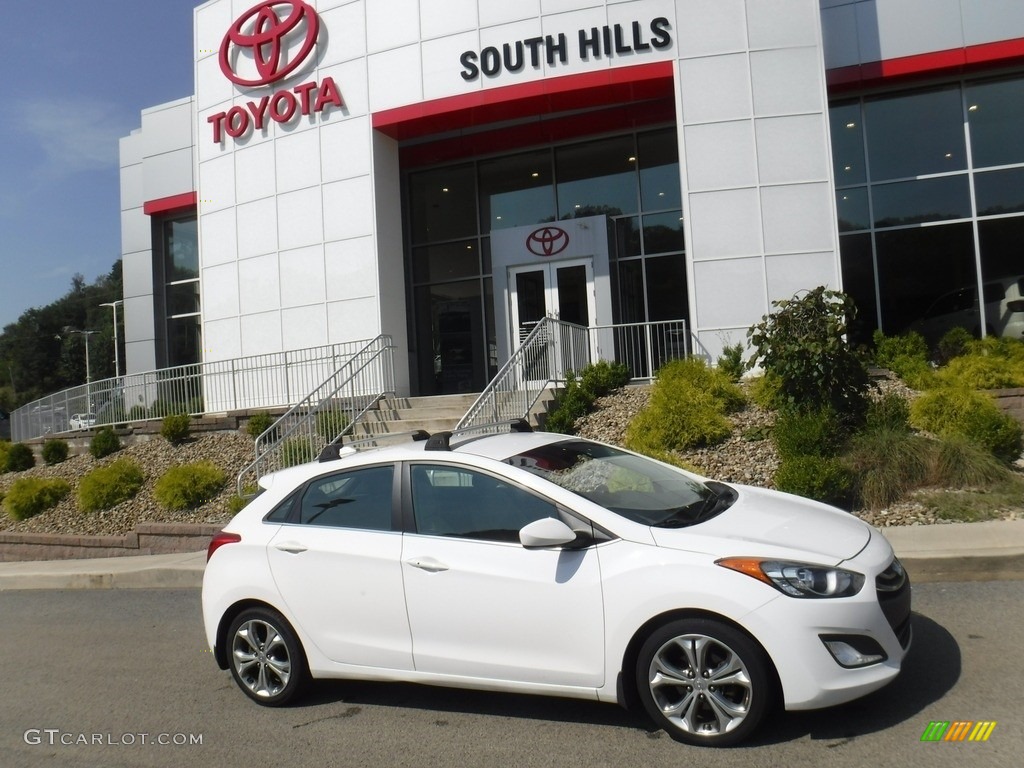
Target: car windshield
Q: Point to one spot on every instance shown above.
(640, 489)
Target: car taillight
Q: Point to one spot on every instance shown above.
(1017, 305)
(219, 540)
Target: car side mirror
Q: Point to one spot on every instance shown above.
(547, 532)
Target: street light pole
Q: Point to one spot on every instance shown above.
(117, 351)
(86, 334)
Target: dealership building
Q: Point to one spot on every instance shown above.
(447, 172)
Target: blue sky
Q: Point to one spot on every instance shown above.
(76, 75)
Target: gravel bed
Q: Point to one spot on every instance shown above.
(231, 451)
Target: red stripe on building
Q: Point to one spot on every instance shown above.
(953, 61)
(172, 204)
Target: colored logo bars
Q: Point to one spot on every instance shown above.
(958, 730)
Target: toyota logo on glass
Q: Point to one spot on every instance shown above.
(264, 45)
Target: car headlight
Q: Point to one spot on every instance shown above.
(798, 579)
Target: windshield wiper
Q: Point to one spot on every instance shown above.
(693, 513)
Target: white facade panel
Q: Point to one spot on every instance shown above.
(496, 38)
(257, 228)
(440, 18)
(390, 25)
(136, 232)
(297, 161)
(720, 155)
(131, 185)
(302, 277)
(495, 12)
(168, 174)
(387, 91)
(561, 6)
(222, 339)
(354, 320)
(222, 303)
(218, 238)
(347, 25)
(303, 327)
(987, 21)
(441, 77)
(261, 334)
(348, 209)
(716, 88)
(798, 217)
(255, 172)
(300, 217)
(733, 293)
(783, 23)
(787, 81)
(789, 274)
(710, 27)
(724, 224)
(345, 149)
(217, 184)
(351, 78)
(792, 149)
(901, 31)
(350, 270)
(258, 288)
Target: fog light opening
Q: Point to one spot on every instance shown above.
(855, 651)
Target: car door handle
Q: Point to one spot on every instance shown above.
(428, 564)
(291, 546)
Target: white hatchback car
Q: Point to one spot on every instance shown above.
(550, 564)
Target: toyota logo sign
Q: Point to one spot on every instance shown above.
(547, 241)
(262, 31)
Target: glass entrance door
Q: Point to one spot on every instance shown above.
(563, 290)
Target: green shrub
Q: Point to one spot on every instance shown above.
(954, 343)
(259, 423)
(577, 399)
(809, 433)
(890, 411)
(28, 496)
(983, 371)
(107, 486)
(730, 362)
(19, 458)
(886, 463)
(5, 446)
(175, 428)
(766, 391)
(805, 344)
(687, 409)
(104, 443)
(952, 412)
(958, 463)
(297, 450)
(891, 350)
(55, 451)
(822, 478)
(330, 423)
(189, 485)
(138, 412)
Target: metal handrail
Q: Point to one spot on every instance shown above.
(554, 348)
(325, 415)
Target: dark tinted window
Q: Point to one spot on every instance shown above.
(360, 498)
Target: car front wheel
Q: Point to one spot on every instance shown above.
(703, 681)
(266, 659)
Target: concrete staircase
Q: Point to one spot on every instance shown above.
(434, 413)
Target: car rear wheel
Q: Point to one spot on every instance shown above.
(266, 659)
(703, 681)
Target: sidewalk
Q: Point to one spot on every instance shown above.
(955, 552)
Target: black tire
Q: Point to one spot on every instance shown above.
(703, 681)
(265, 657)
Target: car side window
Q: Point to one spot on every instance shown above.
(454, 501)
(359, 498)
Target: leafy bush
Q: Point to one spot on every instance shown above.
(175, 428)
(104, 443)
(890, 411)
(805, 344)
(28, 496)
(687, 409)
(55, 451)
(107, 486)
(5, 446)
(953, 412)
(297, 450)
(766, 391)
(822, 478)
(809, 433)
(577, 399)
(891, 351)
(330, 423)
(954, 343)
(978, 370)
(958, 463)
(19, 458)
(259, 423)
(730, 362)
(189, 485)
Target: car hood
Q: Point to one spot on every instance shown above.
(763, 523)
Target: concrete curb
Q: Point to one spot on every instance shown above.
(986, 551)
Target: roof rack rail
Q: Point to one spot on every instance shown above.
(333, 451)
(441, 441)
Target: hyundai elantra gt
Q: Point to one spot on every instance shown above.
(548, 564)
